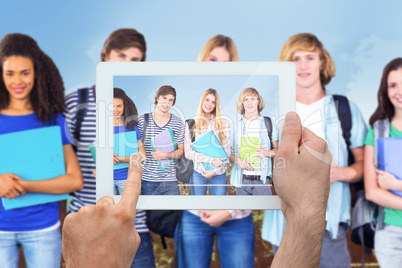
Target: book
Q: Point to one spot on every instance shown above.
(210, 145)
(124, 144)
(248, 145)
(390, 155)
(34, 155)
(165, 142)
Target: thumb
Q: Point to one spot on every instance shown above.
(291, 134)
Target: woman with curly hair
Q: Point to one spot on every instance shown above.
(388, 117)
(31, 97)
(125, 119)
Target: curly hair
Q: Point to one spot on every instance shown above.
(385, 109)
(47, 95)
(130, 114)
(124, 38)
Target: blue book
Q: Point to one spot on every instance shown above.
(125, 144)
(210, 145)
(34, 155)
(390, 155)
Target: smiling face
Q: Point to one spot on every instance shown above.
(395, 88)
(308, 68)
(208, 105)
(250, 104)
(118, 108)
(165, 102)
(19, 77)
(219, 54)
(126, 54)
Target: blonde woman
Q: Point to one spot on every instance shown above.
(208, 118)
(234, 229)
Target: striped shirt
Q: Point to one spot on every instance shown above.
(87, 196)
(150, 169)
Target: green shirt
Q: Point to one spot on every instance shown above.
(391, 216)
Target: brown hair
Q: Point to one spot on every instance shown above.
(385, 109)
(124, 38)
(130, 113)
(163, 91)
(309, 42)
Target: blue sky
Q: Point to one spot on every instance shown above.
(361, 37)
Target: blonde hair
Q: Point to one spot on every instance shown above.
(309, 42)
(250, 91)
(219, 125)
(219, 41)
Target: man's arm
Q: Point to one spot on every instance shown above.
(104, 235)
(302, 183)
(352, 173)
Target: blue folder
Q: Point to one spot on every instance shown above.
(125, 144)
(34, 155)
(390, 155)
(210, 145)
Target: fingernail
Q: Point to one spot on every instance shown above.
(291, 118)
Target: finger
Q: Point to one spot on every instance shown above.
(131, 190)
(314, 142)
(16, 177)
(19, 188)
(291, 134)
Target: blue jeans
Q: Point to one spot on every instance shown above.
(254, 187)
(41, 249)
(388, 246)
(145, 253)
(334, 252)
(217, 184)
(118, 184)
(160, 188)
(194, 241)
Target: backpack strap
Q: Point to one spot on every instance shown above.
(345, 117)
(268, 125)
(82, 108)
(144, 128)
(191, 123)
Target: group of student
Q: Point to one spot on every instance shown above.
(32, 96)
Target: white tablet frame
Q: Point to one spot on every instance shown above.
(106, 71)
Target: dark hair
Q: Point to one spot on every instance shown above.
(163, 91)
(385, 109)
(47, 95)
(130, 114)
(124, 38)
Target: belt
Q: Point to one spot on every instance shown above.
(252, 177)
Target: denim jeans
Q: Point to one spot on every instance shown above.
(254, 187)
(388, 246)
(160, 188)
(145, 253)
(217, 184)
(118, 184)
(194, 241)
(41, 249)
(335, 252)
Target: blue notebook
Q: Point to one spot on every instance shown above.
(210, 145)
(390, 155)
(34, 155)
(165, 142)
(125, 144)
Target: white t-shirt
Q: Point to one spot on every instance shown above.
(311, 116)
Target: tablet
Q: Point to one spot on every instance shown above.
(274, 81)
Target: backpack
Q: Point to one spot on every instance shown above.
(82, 108)
(363, 220)
(164, 222)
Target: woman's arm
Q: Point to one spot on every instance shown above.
(70, 182)
(388, 181)
(374, 193)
